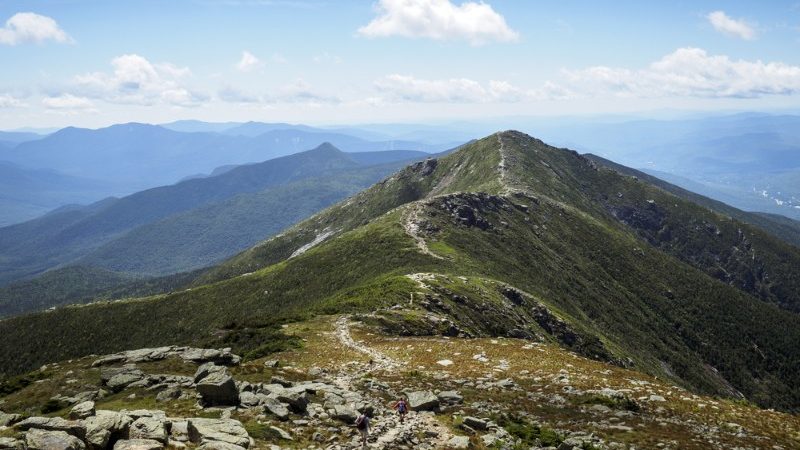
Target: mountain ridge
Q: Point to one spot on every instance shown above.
(543, 228)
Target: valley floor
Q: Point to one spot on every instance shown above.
(483, 393)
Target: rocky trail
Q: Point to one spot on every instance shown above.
(419, 430)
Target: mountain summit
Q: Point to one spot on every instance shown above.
(506, 236)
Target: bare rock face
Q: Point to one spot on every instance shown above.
(205, 431)
(73, 427)
(138, 444)
(38, 439)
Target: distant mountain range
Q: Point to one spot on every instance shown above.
(88, 165)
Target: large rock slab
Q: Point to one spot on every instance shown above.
(138, 444)
(203, 431)
(195, 355)
(149, 428)
(217, 388)
(422, 401)
(219, 446)
(118, 378)
(345, 414)
(457, 442)
(38, 439)
(105, 427)
(73, 427)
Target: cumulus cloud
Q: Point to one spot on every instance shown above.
(688, 72)
(730, 26)
(27, 27)
(398, 87)
(10, 101)
(136, 80)
(67, 102)
(474, 22)
(248, 62)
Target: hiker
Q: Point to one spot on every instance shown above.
(402, 408)
(362, 425)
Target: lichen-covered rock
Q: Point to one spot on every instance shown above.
(217, 388)
(149, 428)
(219, 446)
(423, 401)
(82, 410)
(8, 419)
(73, 427)
(7, 443)
(105, 427)
(276, 408)
(203, 431)
(458, 442)
(38, 439)
(138, 444)
(295, 397)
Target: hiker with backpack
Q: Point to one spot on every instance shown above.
(362, 425)
(401, 406)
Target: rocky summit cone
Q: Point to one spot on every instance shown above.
(505, 237)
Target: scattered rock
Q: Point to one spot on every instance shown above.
(297, 399)
(476, 423)
(450, 397)
(281, 433)
(170, 393)
(217, 388)
(149, 428)
(458, 442)
(219, 446)
(138, 444)
(72, 427)
(105, 427)
(82, 410)
(276, 408)
(38, 439)
(202, 431)
(422, 401)
(8, 419)
(7, 443)
(345, 413)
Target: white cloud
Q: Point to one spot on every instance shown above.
(300, 92)
(27, 27)
(67, 102)
(136, 80)
(232, 95)
(730, 26)
(688, 72)
(9, 101)
(248, 62)
(454, 90)
(474, 22)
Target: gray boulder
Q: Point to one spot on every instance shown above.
(450, 397)
(203, 431)
(118, 378)
(344, 413)
(72, 427)
(8, 419)
(217, 388)
(296, 398)
(7, 443)
(38, 439)
(105, 427)
(458, 442)
(422, 401)
(138, 444)
(283, 434)
(170, 393)
(82, 410)
(149, 428)
(219, 446)
(276, 408)
(476, 423)
(248, 399)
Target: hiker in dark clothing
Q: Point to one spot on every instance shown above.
(362, 425)
(402, 408)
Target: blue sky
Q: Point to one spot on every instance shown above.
(93, 63)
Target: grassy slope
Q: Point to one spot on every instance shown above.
(669, 317)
